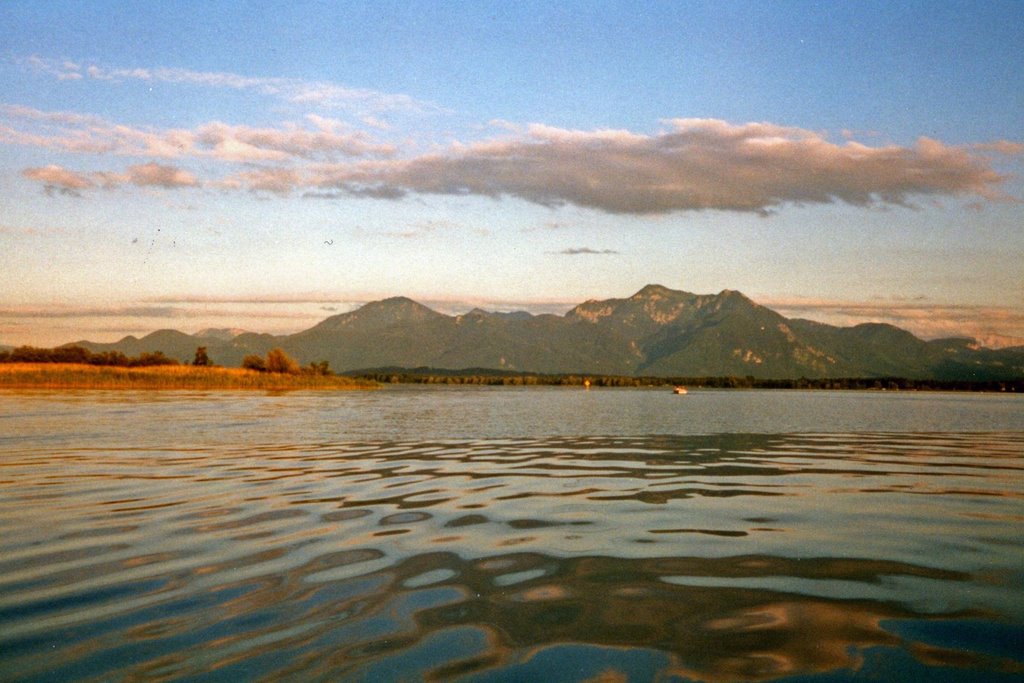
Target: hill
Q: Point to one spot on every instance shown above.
(655, 332)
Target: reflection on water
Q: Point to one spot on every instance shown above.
(152, 539)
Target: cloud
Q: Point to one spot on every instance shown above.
(153, 174)
(243, 143)
(199, 310)
(319, 138)
(451, 305)
(276, 180)
(578, 251)
(284, 299)
(323, 94)
(690, 165)
(57, 179)
(423, 229)
(694, 165)
(1004, 147)
(993, 326)
(91, 312)
(53, 324)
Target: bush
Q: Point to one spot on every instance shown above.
(322, 368)
(279, 361)
(150, 359)
(254, 362)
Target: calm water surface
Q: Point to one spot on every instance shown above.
(540, 534)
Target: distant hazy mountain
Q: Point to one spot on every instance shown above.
(657, 331)
(221, 333)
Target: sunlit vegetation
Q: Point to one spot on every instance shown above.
(202, 359)
(79, 355)
(280, 362)
(74, 367)
(82, 376)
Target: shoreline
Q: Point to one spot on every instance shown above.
(80, 376)
(485, 377)
(186, 377)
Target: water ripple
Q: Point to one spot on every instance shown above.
(711, 557)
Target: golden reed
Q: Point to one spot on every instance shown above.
(75, 376)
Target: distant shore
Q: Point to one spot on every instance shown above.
(85, 376)
(490, 377)
(81, 376)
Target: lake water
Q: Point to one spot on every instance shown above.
(511, 534)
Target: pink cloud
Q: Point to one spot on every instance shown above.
(992, 326)
(59, 176)
(691, 165)
(160, 176)
(61, 180)
(320, 138)
(695, 164)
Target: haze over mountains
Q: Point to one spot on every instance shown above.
(657, 331)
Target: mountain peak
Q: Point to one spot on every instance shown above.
(654, 292)
(398, 306)
(221, 333)
(395, 301)
(391, 311)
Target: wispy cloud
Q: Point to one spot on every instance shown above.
(424, 228)
(91, 312)
(285, 299)
(454, 304)
(315, 138)
(57, 179)
(179, 308)
(322, 94)
(54, 324)
(584, 251)
(994, 326)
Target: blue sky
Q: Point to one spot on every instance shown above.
(258, 166)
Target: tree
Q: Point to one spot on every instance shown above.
(151, 359)
(321, 368)
(201, 358)
(279, 361)
(254, 362)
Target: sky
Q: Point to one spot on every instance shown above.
(261, 166)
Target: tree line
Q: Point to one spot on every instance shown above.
(279, 361)
(276, 359)
(83, 356)
(510, 378)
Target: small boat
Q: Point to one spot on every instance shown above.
(678, 390)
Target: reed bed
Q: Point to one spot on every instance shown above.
(75, 376)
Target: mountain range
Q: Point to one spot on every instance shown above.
(656, 332)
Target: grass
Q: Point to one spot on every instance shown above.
(75, 376)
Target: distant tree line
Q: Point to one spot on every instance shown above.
(276, 360)
(279, 361)
(476, 376)
(80, 355)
